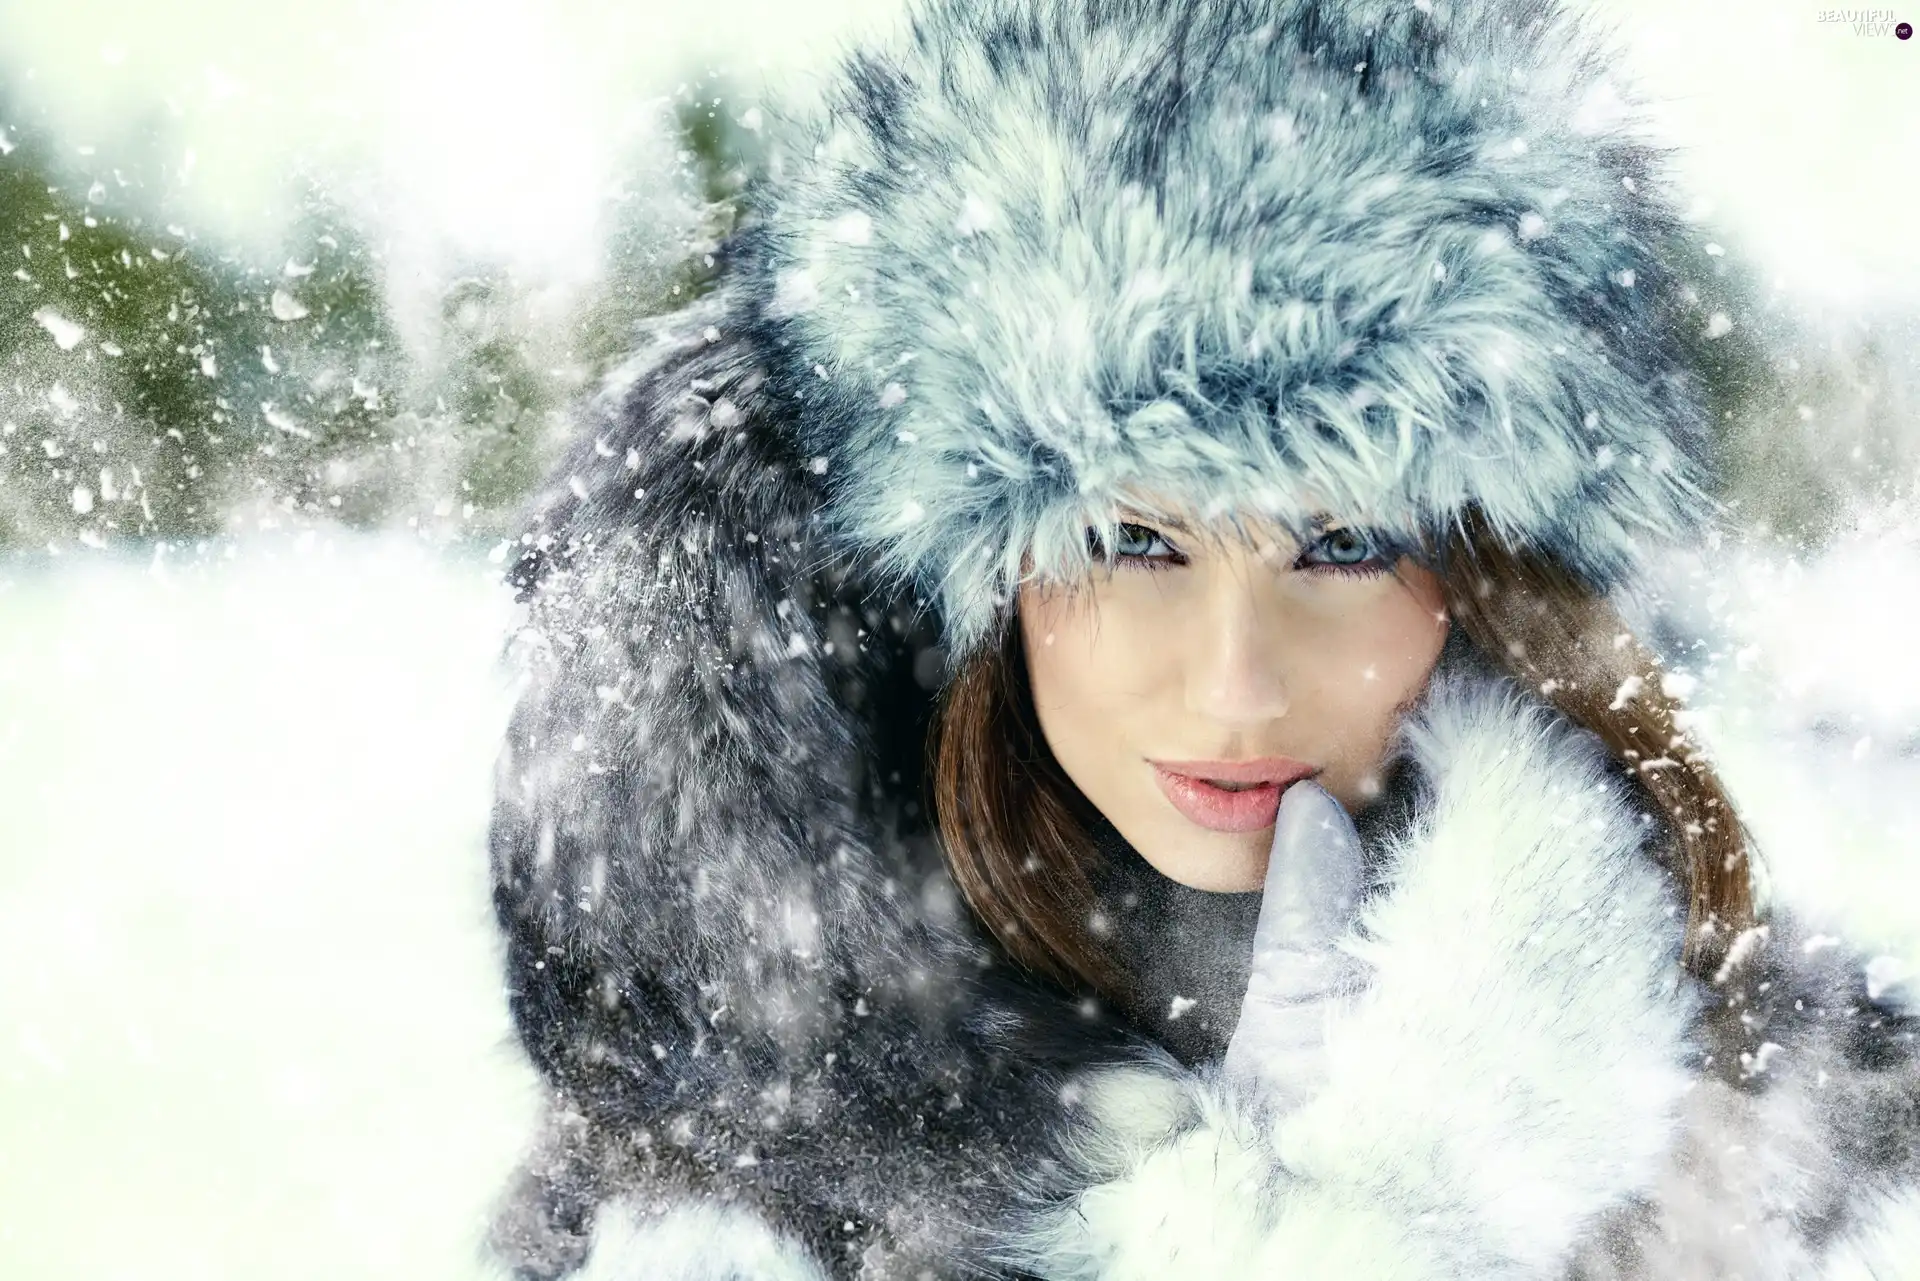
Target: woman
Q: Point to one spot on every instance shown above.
(1104, 397)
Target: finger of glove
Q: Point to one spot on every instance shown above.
(1284, 1013)
(1291, 976)
(1315, 870)
(1281, 1047)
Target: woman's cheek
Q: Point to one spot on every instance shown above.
(1085, 656)
(1372, 669)
(1132, 631)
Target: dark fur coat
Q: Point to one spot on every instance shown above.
(777, 1046)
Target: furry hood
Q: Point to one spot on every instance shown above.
(1238, 256)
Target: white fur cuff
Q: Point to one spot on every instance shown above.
(1196, 1190)
(692, 1243)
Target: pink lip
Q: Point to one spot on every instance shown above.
(1219, 810)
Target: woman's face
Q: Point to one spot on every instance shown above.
(1299, 658)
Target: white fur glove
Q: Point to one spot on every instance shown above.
(1315, 874)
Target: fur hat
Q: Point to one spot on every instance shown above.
(1031, 258)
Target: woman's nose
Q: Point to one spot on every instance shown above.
(1235, 652)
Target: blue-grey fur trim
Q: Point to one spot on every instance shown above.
(1032, 258)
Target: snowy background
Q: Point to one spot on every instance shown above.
(301, 291)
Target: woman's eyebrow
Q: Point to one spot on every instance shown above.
(1132, 516)
(1319, 522)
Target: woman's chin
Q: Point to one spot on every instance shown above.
(1218, 862)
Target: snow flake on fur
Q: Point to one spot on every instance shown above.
(1279, 258)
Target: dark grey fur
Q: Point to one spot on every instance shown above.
(729, 933)
(733, 951)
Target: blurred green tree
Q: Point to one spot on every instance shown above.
(1808, 420)
(724, 155)
(159, 387)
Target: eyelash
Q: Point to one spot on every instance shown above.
(1368, 568)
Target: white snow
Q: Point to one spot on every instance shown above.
(251, 1024)
(1813, 657)
(66, 334)
(1885, 973)
(855, 228)
(286, 306)
(281, 420)
(250, 1013)
(1786, 135)
(976, 215)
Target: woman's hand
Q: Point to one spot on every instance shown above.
(1315, 874)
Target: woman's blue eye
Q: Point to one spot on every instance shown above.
(1138, 540)
(1339, 551)
(1344, 547)
(1344, 551)
(1135, 545)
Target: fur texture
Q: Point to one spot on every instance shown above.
(777, 1044)
(1280, 256)
(1452, 1141)
(695, 1243)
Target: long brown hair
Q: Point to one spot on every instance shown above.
(1016, 830)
